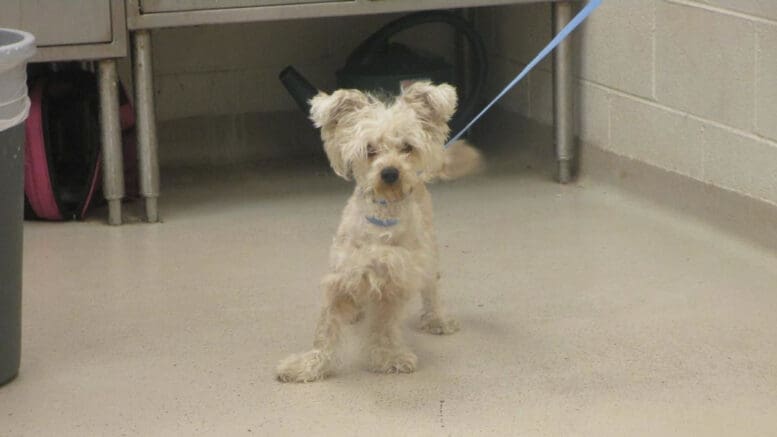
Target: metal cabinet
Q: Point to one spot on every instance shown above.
(69, 29)
(153, 14)
(76, 30)
(153, 6)
(144, 15)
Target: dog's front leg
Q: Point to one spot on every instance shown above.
(340, 308)
(317, 363)
(433, 319)
(387, 352)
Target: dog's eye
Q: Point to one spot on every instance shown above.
(371, 152)
(407, 148)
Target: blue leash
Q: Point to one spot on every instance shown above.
(572, 25)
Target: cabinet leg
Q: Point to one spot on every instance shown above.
(563, 92)
(148, 161)
(112, 161)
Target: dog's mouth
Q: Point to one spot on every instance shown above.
(390, 193)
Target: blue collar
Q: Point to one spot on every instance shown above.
(387, 223)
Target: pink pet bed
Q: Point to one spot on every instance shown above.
(62, 148)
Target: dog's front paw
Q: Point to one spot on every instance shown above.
(434, 324)
(308, 367)
(386, 361)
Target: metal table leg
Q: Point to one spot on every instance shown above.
(146, 123)
(563, 104)
(112, 162)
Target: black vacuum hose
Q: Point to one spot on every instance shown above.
(300, 89)
(362, 55)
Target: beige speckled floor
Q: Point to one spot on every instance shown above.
(584, 312)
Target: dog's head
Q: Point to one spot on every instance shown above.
(388, 147)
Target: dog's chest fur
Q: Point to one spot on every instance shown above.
(409, 240)
(367, 222)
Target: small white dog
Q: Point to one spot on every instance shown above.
(385, 248)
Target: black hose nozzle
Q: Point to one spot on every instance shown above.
(298, 87)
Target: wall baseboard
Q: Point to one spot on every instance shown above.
(510, 137)
(743, 216)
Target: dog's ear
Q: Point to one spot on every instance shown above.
(327, 109)
(433, 103)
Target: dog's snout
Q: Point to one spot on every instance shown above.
(389, 175)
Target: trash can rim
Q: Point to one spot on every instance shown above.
(22, 47)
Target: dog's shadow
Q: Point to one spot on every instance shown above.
(443, 361)
(437, 350)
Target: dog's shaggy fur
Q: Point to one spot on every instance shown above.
(385, 248)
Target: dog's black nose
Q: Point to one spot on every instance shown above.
(389, 175)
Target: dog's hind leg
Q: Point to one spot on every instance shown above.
(433, 319)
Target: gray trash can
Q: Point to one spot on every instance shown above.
(16, 48)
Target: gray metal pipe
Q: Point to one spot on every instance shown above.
(113, 165)
(563, 95)
(148, 161)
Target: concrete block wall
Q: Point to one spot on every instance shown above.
(689, 86)
(218, 96)
(233, 69)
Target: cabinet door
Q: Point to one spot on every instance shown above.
(60, 22)
(151, 6)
